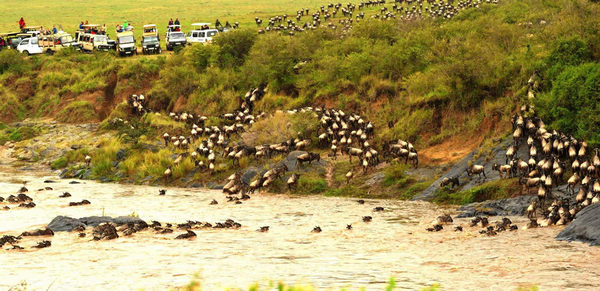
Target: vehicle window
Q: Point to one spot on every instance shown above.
(201, 34)
(211, 33)
(25, 41)
(126, 39)
(177, 35)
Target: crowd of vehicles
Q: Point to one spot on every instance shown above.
(93, 37)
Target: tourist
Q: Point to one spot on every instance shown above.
(81, 25)
(170, 21)
(54, 30)
(21, 23)
(177, 21)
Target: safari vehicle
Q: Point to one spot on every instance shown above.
(201, 33)
(126, 43)
(53, 43)
(11, 39)
(93, 38)
(29, 46)
(150, 40)
(175, 37)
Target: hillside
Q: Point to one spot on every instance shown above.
(447, 86)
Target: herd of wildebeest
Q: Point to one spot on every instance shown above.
(344, 134)
(352, 13)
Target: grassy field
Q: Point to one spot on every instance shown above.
(69, 13)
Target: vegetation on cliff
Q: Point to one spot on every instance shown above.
(432, 82)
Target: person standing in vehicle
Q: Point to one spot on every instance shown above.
(217, 23)
(170, 21)
(2, 43)
(21, 23)
(125, 24)
(177, 21)
(54, 30)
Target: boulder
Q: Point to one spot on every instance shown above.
(249, 173)
(585, 228)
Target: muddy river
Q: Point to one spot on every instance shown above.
(395, 244)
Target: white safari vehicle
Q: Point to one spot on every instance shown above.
(175, 37)
(202, 33)
(29, 46)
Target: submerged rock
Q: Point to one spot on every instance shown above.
(585, 228)
(64, 223)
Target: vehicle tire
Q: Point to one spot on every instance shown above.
(26, 52)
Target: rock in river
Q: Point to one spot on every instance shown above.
(64, 223)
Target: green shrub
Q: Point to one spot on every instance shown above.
(59, 163)
(572, 104)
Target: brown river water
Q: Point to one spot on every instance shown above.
(395, 244)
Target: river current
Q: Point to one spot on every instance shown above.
(394, 244)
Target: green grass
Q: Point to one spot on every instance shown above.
(8, 133)
(78, 111)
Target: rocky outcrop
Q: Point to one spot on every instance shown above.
(65, 223)
(510, 206)
(585, 228)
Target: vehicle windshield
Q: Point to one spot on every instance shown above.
(66, 39)
(126, 39)
(177, 35)
(100, 38)
(150, 39)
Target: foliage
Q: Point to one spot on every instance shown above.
(495, 190)
(59, 163)
(572, 104)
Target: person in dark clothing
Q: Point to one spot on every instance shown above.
(2, 43)
(217, 23)
(81, 25)
(170, 21)
(54, 30)
(227, 25)
(177, 21)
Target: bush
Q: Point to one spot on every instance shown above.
(572, 105)
(566, 52)
(11, 61)
(59, 163)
